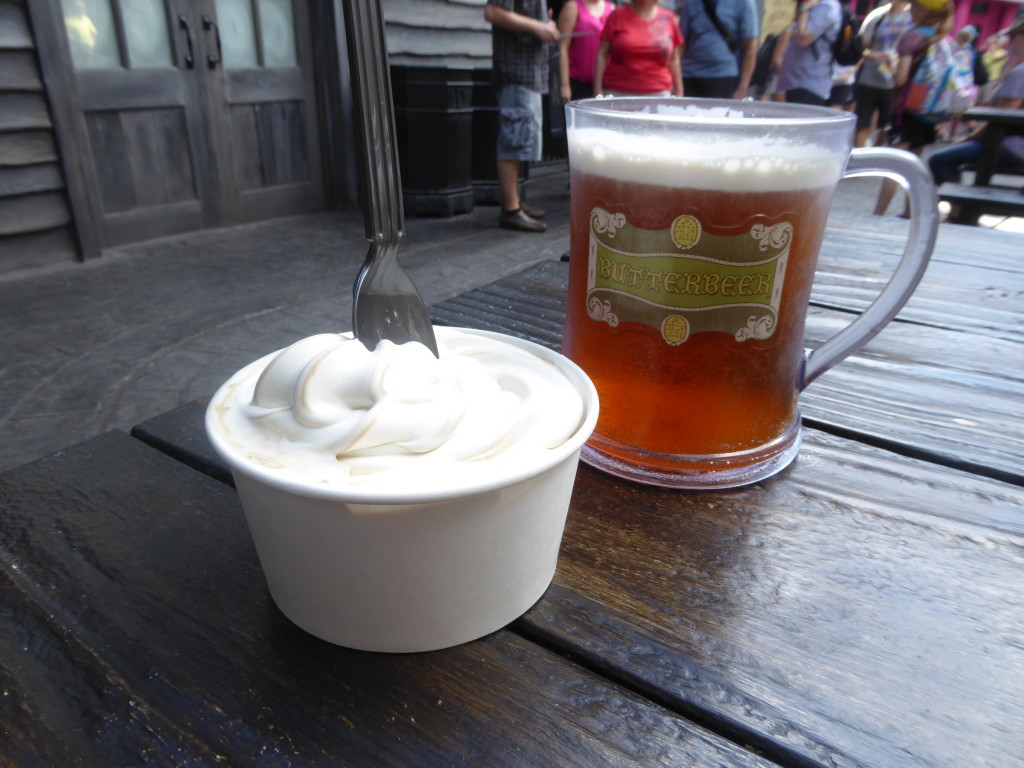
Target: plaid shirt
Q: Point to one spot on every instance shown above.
(520, 58)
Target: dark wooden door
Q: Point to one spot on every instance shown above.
(179, 115)
(262, 107)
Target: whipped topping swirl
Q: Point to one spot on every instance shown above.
(327, 410)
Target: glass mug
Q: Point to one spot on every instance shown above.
(695, 230)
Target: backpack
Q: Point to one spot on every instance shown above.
(848, 48)
(763, 62)
(943, 86)
(980, 71)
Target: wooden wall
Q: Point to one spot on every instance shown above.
(438, 33)
(35, 220)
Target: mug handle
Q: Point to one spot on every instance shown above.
(910, 173)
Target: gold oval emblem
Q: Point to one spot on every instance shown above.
(686, 231)
(675, 329)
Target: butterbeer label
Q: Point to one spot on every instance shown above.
(683, 280)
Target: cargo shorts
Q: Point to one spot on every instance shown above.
(520, 123)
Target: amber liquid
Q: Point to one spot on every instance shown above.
(662, 405)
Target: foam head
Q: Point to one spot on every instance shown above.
(709, 145)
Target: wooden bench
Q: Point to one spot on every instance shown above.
(983, 195)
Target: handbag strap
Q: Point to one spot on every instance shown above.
(730, 41)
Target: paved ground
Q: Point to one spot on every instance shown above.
(89, 347)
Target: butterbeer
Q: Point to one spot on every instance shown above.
(690, 274)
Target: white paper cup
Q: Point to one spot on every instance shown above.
(411, 570)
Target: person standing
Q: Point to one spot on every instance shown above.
(932, 21)
(805, 76)
(841, 96)
(521, 31)
(873, 90)
(580, 23)
(964, 42)
(641, 47)
(718, 66)
(945, 165)
(994, 55)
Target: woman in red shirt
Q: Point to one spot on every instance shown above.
(641, 48)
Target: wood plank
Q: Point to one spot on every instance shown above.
(126, 89)
(252, 86)
(112, 176)
(859, 609)
(156, 146)
(19, 71)
(996, 114)
(246, 147)
(530, 304)
(434, 14)
(15, 32)
(181, 434)
(37, 249)
(140, 224)
(33, 213)
(176, 159)
(26, 179)
(467, 46)
(856, 263)
(23, 111)
(26, 148)
(70, 129)
(956, 244)
(948, 396)
(286, 200)
(140, 630)
(996, 200)
(999, 121)
(437, 33)
(282, 132)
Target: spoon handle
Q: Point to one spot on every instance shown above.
(383, 213)
(386, 304)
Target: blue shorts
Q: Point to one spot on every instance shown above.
(520, 123)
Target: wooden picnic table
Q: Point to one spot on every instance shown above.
(863, 608)
(984, 194)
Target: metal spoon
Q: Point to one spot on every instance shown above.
(387, 304)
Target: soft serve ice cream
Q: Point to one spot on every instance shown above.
(327, 411)
(398, 501)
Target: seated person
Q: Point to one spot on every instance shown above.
(945, 165)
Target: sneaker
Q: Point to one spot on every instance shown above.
(519, 220)
(533, 213)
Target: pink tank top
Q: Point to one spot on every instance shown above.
(586, 41)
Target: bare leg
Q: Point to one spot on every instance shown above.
(889, 188)
(885, 194)
(508, 178)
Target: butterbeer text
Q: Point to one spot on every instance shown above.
(658, 282)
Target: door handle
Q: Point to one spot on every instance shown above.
(190, 59)
(212, 60)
